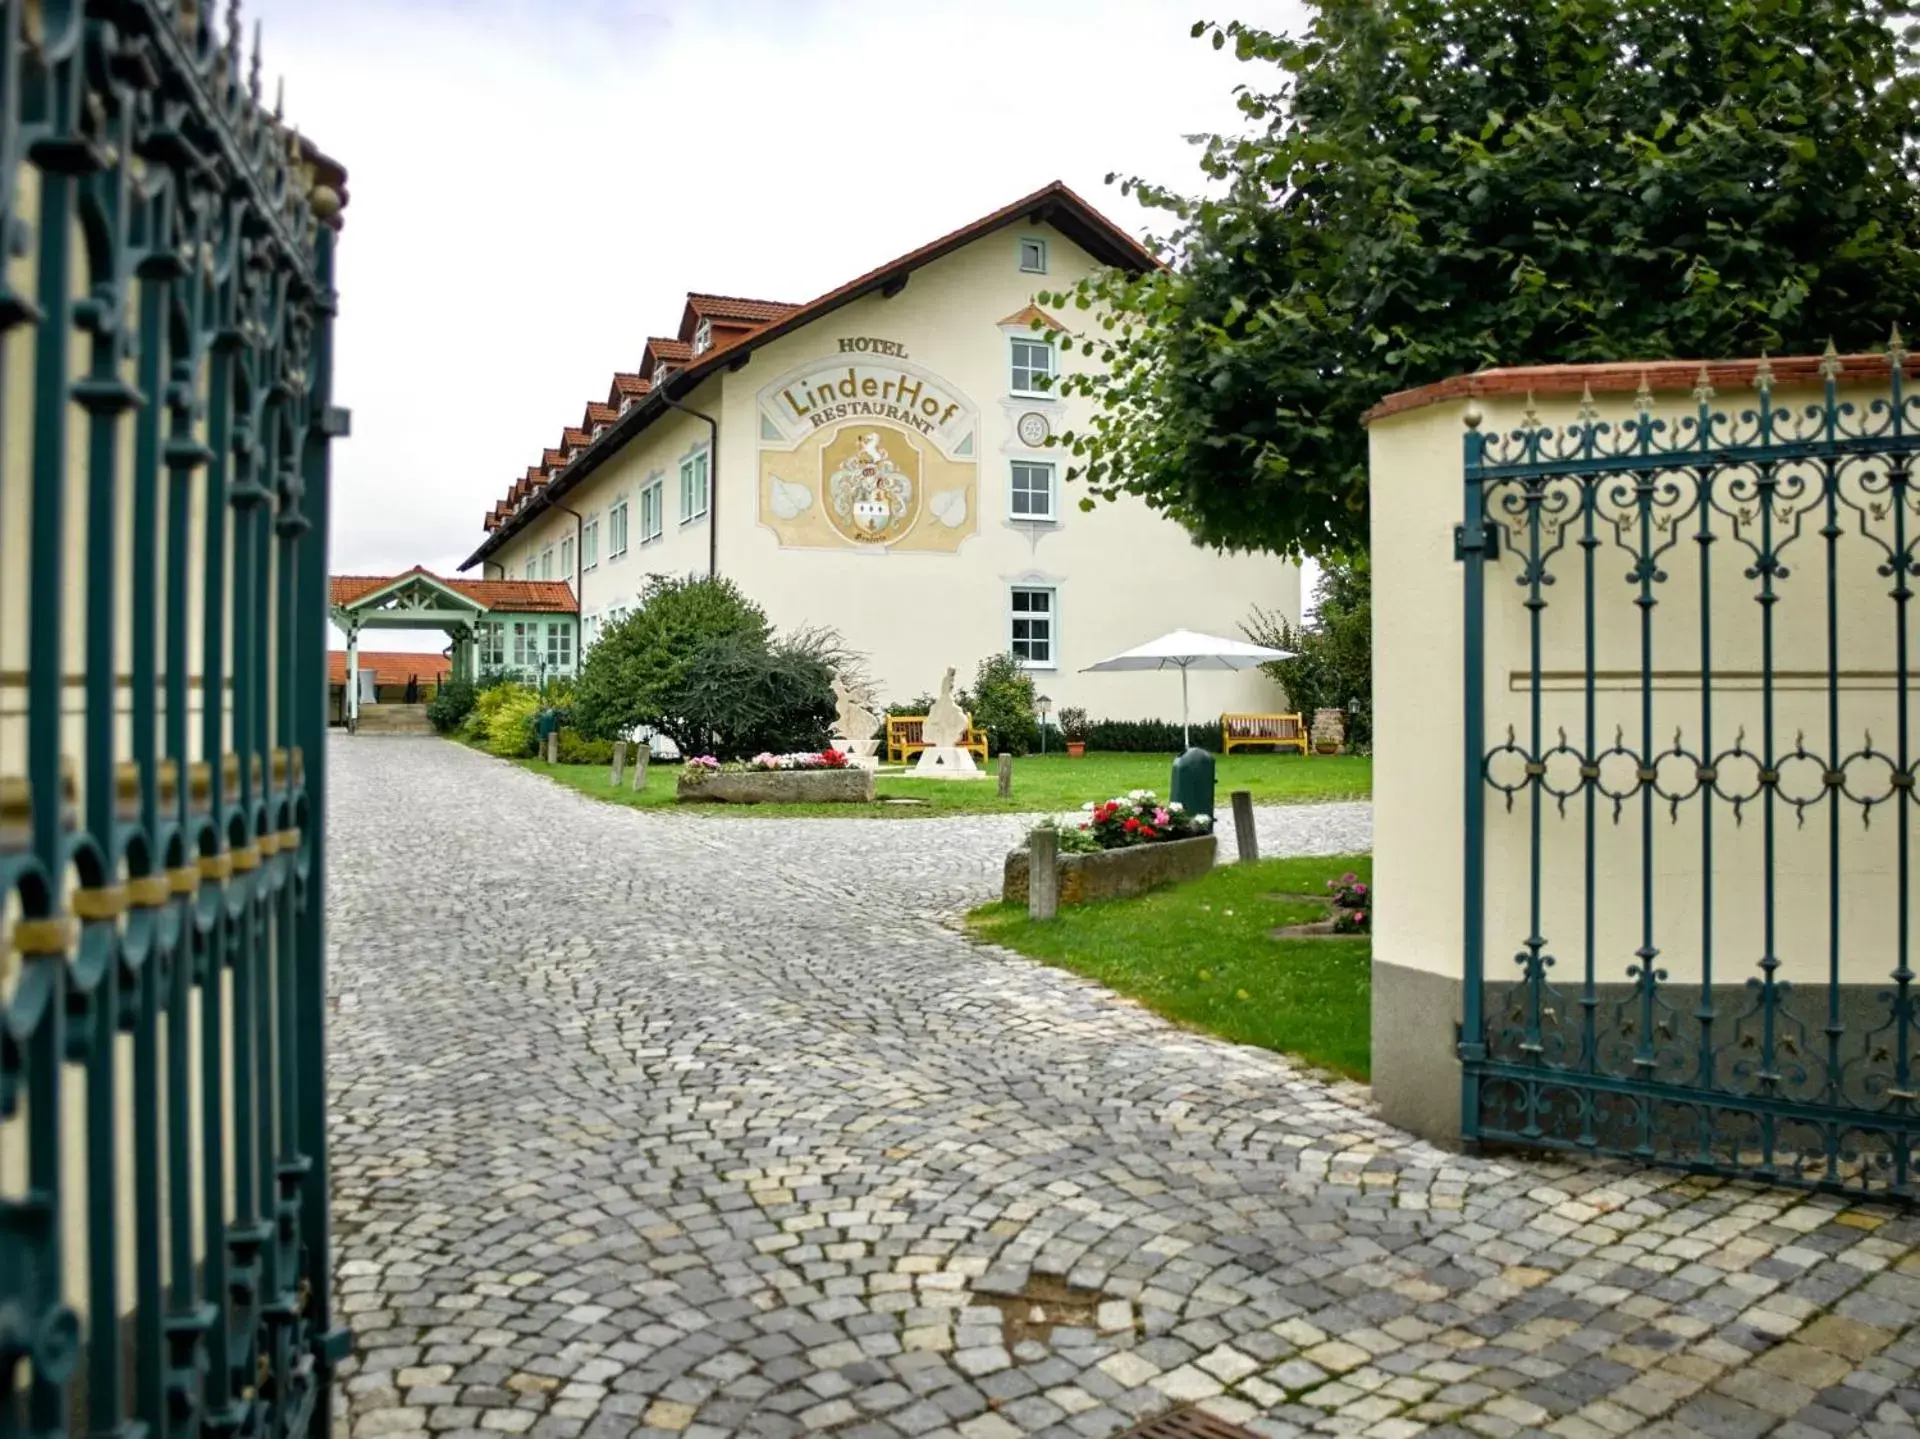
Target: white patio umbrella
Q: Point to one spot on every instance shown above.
(1185, 650)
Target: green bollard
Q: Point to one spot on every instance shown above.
(1193, 782)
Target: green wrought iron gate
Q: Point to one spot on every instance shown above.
(1690, 765)
(166, 312)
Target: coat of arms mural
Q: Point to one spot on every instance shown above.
(871, 455)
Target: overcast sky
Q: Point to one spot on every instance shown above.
(536, 184)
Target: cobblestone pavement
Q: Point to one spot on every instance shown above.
(662, 1125)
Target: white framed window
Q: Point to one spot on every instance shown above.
(532, 565)
(559, 645)
(1033, 255)
(526, 644)
(617, 530)
(1032, 632)
(703, 337)
(546, 563)
(491, 638)
(1032, 366)
(566, 559)
(693, 486)
(660, 374)
(653, 501)
(1030, 491)
(590, 542)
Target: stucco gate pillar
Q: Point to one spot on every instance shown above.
(1693, 677)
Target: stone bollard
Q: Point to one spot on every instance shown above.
(1006, 775)
(1243, 830)
(642, 753)
(1043, 873)
(553, 747)
(619, 761)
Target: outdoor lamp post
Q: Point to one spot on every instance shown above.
(1044, 706)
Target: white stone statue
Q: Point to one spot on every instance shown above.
(945, 731)
(947, 723)
(855, 724)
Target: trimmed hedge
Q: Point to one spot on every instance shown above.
(1151, 736)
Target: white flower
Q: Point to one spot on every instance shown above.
(1175, 807)
(1203, 821)
(1138, 794)
(1089, 806)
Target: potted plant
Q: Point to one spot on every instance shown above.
(1073, 725)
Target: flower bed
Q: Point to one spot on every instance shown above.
(1089, 877)
(806, 778)
(1125, 846)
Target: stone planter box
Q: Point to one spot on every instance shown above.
(789, 786)
(1116, 873)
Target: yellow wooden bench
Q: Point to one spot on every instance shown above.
(1274, 731)
(904, 739)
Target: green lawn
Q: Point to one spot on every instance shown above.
(1200, 955)
(1041, 784)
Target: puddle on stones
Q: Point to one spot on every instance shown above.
(1045, 1303)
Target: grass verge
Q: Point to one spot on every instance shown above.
(1042, 784)
(1200, 954)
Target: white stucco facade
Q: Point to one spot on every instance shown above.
(920, 387)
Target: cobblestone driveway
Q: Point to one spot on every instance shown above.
(655, 1124)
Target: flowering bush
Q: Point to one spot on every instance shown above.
(1071, 838)
(1351, 921)
(1141, 818)
(805, 759)
(1349, 892)
(701, 766)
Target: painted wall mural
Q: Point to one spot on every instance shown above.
(866, 450)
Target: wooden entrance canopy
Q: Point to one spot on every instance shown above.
(419, 599)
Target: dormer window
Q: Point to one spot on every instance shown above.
(573, 454)
(1033, 255)
(660, 374)
(626, 403)
(599, 430)
(703, 337)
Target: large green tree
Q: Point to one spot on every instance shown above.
(1433, 186)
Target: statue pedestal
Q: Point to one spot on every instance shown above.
(947, 762)
(859, 752)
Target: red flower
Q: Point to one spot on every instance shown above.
(1131, 825)
(1146, 831)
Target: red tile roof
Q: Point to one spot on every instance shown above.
(1726, 376)
(513, 596)
(1053, 204)
(391, 667)
(1031, 313)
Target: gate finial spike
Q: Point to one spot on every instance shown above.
(1703, 386)
(1530, 418)
(1763, 374)
(1643, 397)
(1473, 415)
(1830, 362)
(1896, 348)
(280, 98)
(1588, 412)
(253, 70)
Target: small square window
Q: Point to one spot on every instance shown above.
(1033, 256)
(703, 337)
(1031, 630)
(1031, 494)
(1032, 366)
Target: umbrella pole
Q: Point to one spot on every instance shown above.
(1186, 737)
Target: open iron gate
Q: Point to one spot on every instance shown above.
(165, 347)
(1689, 872)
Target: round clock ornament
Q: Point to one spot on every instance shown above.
(1033, 429)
